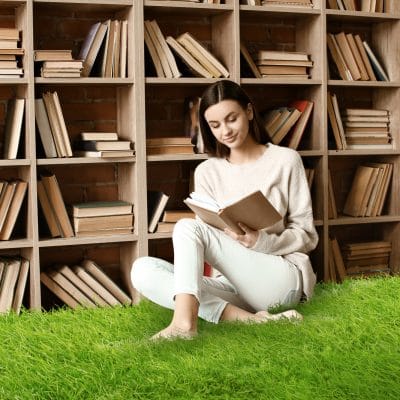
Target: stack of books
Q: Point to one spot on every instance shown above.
(84, 285)
(367, 128)
(197, 59)
(367, 258)
(9, 51)
(102, 144)
(58, 64)
(283, 64)
(360, 5)
(104, 50)
(368, 190)
(51, 125)
(12, 194)
(169, 145)
(171, 217)
(97, 218)
(354, 59)
(287, 3)
(13, 278)
(53, 206)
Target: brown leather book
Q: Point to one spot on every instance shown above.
(253, 210)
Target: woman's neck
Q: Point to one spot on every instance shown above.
(245, 154)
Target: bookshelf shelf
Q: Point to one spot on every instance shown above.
(179, 81)
(280, 81)
(177, 157)
(83, 160)
(180, 7)
(280, 11)
(15, 163)
(16, 244)
(88, 240)
(374, 84)
(360, 16)
(343, 220)
(85, 81)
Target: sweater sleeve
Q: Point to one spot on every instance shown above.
(298, 234)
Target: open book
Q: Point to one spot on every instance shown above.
(253, 210)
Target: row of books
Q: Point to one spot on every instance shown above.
(368, 190)
(13, 279)
(104, 50)
(359, 128)
(85, 285)
(10, 53)
(98, 218)
(358, 5)
(357, 259)
(354, 58)
(288, 122)
(197, 59)
(12, 194)
(57, 64)
(51, 125)
(283, 64)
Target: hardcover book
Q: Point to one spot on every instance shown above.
(253, 210)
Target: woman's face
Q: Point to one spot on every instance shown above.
(229, 122)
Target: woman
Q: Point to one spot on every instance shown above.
(260, 269)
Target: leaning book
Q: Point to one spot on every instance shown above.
(253, 210)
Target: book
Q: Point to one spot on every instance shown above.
(365, 58)
(348, 55)
(253, 210)
(194, 66)
(286, 125)
(169, 149)
(67, 272)
(101, 208)
(61, 124)
(98, 136)
(48, 211)
(377, 67)
(172, 216)
(338, 259)
(44, 55)
(249, 60)
(206, 58)
(43, 126)
(104, 232)
(357, 56)
(99, 145)
(104, 153)
(13, 210)
(13, 128)
(338, 57)
(54, 195)
(8, 283)
(123, 49)
(103, 222)
(171, 140)
(282, 55)
(156, 203)
(58, 290)
(148, 40)
(71, 289)
(96, 286)
(93, 269)
(6, 199)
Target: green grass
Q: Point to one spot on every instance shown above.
(347, 347)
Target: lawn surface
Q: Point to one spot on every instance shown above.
(347, 347)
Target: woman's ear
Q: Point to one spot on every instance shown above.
(249, 111)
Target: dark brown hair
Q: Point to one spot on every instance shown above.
(228, 90)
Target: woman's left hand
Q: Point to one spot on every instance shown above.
(248, 239)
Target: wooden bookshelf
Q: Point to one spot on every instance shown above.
(143, 106)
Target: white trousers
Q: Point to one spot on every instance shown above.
(251, 280)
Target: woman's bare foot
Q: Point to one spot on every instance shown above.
(173, 332)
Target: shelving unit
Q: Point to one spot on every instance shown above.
(143, 105)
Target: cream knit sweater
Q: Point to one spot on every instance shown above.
(279, 174)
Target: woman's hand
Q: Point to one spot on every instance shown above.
(249, 238)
